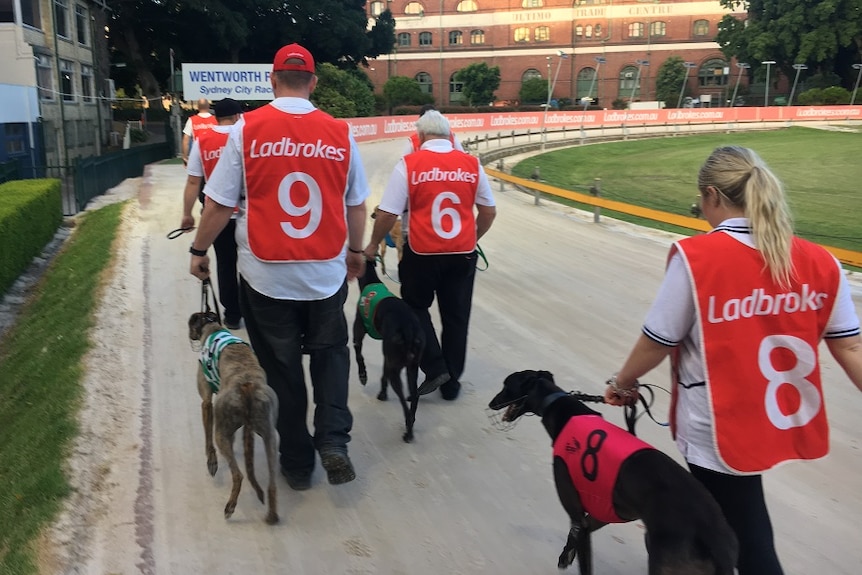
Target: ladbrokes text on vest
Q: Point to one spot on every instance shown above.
(760, 303)
(438, 175)
(285, 147)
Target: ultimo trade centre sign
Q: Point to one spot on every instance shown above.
(217, 81)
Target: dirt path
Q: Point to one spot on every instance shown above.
(561, 294)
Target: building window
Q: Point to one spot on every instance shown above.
(712, 73)
(456, 38)
(87, 83)
(585, 2)
(404, 38)
(67, 86)
(636, 30)
(44, 77)
(579, 30)
(82, 24)
(657, 29)
(466, 6)
(542, 34)
(424, 81)
(377, 8)
(16, 139)
(588, 31)
(522, 34)
(424, 38)
(456, 90)
(61, 17)
(530, 74)
(414, 9)
(598, 30)
(30, 14)
(628, 79)
(477, 37)
(586, 83)
(701, 27)
(531, 3)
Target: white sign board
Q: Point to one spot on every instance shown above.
(217, 81)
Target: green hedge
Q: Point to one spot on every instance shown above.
(30, 213)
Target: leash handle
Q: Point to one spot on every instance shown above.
(482, 257)
(631, 411)
(174, 234)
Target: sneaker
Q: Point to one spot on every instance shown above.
(338, 467)
(431, 384)
(450, 390)
(297, 480)
(230, 324)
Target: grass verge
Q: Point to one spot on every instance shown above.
(40, 388)
(820, 170)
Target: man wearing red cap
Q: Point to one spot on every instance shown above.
(296, 174)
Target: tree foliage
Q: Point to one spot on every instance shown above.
(533, 91)
(479, 82)
(401, 91)
(343, 93)
(825, 35)
(668, 82)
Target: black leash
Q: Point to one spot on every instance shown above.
(205, 303)
(631, 411)
(482, 257)
(174, 234)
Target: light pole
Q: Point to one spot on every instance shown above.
(769, 64)
(589, 98)
(798, 68)
(856, 87)
(640, 64)
(551, 86)
(742, 66)
(688, 66)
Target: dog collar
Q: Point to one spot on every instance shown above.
(551, 399)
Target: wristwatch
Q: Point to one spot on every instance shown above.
(194, 252)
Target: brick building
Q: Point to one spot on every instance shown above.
(596, 48)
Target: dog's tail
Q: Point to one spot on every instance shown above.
(246, 390)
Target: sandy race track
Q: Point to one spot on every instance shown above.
(561, 294)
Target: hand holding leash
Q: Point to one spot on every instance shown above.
(200, 267)
(620, 396)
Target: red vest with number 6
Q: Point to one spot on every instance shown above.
(296, 179)
(442, 192)
(210, 145)
(201, 125)
(760, 349)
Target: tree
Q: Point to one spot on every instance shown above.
(479, 82)
(668, 82)
(401, 90)
(827, 36)
(533, 91)
(382, 35)
(341, 93)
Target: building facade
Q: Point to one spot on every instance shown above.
(602, 49)
(54, 61)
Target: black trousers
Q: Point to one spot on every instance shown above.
(741, 499)
(226, 272)
(281, 331)
(450, 278)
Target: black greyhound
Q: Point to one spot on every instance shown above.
(686, 531)
(384, 316)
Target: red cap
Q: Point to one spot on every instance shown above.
(304, 60)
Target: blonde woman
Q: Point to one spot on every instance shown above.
(741, 312)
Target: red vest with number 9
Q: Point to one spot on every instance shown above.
(760, 349)
(296, 178)
(442, 192)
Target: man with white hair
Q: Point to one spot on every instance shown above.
(438, 186)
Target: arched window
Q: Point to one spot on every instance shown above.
(466, 6)
(657, 29)
(529, 74)
(477, 37)
(636, 30)
(586, 83)
(542, 34)
(588, 31)
(424, 81)
(456, 93)
(377, 8)
(712, 73)
(531, 3)
(404, 38)
(701, 27)
(414, 9)
(456, 38)
(579, 30)
(522, 34)
(424, 38)
(586, 2)
(628, 78)
(598, 29)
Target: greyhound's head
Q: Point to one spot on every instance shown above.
(524, 392)
(201, 324)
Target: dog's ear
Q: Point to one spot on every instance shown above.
(545, 375)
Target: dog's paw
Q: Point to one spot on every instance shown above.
(212, 464)
(567, 557)
(383, 396)
(363, 377)
(408, 436)
(271, 518)
(229, 509)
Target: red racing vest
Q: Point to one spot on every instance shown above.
(414, 141)
(760, 349)
(296, 178)
(210, 145)
(594, 450)
(442, 192)
(201, 125)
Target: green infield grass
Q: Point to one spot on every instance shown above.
(821, 171)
